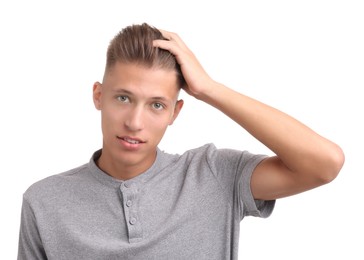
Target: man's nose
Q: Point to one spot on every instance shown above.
(134, 121)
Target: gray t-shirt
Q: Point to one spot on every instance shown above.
(185, 206)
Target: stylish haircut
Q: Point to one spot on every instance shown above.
(134, 44)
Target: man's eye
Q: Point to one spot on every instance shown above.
(158, 106)
(122, 98)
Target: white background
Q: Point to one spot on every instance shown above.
(303, 57)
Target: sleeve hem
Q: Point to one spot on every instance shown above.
(256, 208)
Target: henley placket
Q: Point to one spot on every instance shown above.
(130, 194)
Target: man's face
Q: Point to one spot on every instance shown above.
(137, 104)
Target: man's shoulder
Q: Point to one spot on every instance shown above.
(211, 152)
(203, 149)
(51, 184)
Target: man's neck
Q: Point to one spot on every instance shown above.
(121, 170)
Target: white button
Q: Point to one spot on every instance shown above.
(127, 184)
(129, 203)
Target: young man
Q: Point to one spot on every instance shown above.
(133, 201)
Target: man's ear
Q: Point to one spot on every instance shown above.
(96, 94)
(177, 109)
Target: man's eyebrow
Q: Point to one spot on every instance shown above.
(160, 98)
(124, 91)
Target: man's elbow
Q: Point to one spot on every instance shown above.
(334, 164)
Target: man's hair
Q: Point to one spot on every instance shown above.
(134, 44)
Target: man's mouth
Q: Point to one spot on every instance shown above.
(130, 140)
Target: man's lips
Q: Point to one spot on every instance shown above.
(131, 140)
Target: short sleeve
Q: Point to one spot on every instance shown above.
(233, 169)
(30, 244)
